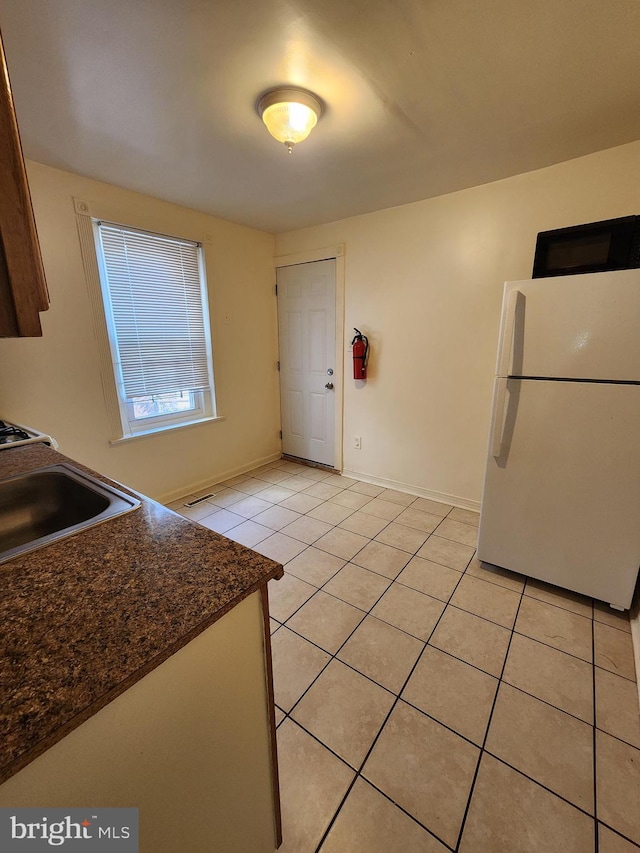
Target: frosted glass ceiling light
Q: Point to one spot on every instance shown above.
(290, 114)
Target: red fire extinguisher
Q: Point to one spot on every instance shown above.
(360, 345)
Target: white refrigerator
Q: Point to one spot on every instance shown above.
(561, 498)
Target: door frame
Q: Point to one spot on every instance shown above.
(328, 253)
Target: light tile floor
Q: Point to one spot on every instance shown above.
(426, 702)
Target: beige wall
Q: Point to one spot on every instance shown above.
(54, 384)
(424, 281)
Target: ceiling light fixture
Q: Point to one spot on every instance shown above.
(290, 114)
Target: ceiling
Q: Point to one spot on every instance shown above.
(423, 97)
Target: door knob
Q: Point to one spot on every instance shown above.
(329, 386)
(330, 371)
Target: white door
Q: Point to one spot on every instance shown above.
(308, 379)
(562, 486)
(573, 327)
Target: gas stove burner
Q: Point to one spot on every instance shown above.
(18, 435)
(9, 433)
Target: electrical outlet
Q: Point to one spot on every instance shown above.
(357, 442)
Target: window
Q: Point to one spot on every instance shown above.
(154, 294)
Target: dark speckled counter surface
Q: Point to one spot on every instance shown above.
(83, 619)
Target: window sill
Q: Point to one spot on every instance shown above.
(163, 429)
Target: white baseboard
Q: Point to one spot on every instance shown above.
(219, 477)
(441, 497)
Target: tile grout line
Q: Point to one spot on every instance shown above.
(486, 733)
(350, 561)
(377, 737)
(346, 563)
(619, 834)
(333, 526)
(447, 603)
(607, 625)
(523, 593)
(553, 603)
(540, 785)
(367, 613)
(334, 655)
(330, 500)
(442, 651)
(454, 657)
(357, 775)
(555, 648)
(412, 554)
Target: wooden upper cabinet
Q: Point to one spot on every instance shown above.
(23, 289)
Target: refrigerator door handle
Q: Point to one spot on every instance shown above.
(506, 348)
(498, 417)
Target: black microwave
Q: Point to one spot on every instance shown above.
(613, 244)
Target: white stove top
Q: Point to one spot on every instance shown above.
(17, 435)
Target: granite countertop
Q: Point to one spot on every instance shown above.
(84, 618)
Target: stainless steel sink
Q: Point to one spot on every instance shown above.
(51, 503)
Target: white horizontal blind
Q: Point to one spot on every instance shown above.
(156, 298)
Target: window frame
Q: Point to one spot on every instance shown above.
(197, 411)
(204, 399)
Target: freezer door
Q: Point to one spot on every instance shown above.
(561, 496)
(572, 327)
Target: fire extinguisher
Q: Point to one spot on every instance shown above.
(360, 345)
